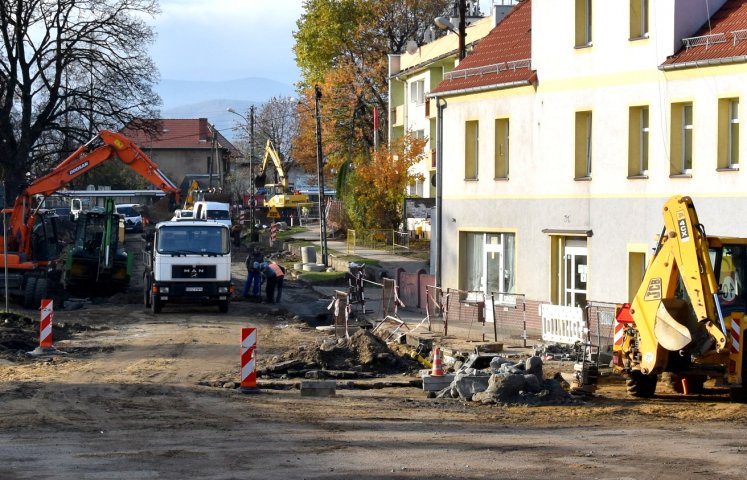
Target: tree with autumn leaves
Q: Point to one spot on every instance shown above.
(343, 46)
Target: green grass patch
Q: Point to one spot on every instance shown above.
(322, 277)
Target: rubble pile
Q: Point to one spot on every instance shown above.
(20, 334)
(556, 351)
(360, 356)
(507, 383)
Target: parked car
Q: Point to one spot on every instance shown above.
(183, 214)
(132, 219)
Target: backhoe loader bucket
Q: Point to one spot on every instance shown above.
(669, 328)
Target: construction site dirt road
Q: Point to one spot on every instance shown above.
(143, 396)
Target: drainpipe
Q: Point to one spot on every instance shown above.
(439, 184)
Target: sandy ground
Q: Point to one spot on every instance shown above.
(139, 396)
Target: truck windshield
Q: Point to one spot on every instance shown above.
(218, 215)
(198, 239)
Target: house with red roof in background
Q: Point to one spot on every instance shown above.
(565, 130)
(187, 147)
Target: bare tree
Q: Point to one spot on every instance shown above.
(69, 68)
(278, 121)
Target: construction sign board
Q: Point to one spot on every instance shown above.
(273, 213)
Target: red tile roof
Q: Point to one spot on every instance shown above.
(182, 133)
(502, 58)
(723, 38)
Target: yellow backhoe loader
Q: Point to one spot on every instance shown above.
(687, 316)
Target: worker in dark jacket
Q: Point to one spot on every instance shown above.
(253, 273)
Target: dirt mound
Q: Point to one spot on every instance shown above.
(20, 334)
(362, 352)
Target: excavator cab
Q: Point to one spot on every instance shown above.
(97, 258)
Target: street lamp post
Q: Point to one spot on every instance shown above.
(444, 24)
(250, 130)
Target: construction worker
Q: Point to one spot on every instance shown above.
(270, 281)
(253, 273)
(279, 278)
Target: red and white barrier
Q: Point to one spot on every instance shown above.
(45, 331)
(273, 232)
(248, 360)
(45, 326)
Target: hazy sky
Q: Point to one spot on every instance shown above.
(226, 39)
(229, 39)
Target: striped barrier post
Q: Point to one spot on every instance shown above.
(45, 331)
(248, 361)
(45, 326)
(273, 232)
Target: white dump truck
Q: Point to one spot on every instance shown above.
(188, 262)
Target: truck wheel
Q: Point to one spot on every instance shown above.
(156, 304)
(40, 290)
(28, 293)
(146, 292)
(223, 306)
(640, 385)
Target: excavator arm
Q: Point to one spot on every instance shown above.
(664, 322)
(82, 160)
(271, 154)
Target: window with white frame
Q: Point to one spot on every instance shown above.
(417, 92)
(728, 133)
(488, 262)
(638, 130)
(681, 144)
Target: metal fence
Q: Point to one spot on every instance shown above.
(509, 314)
(600, 318)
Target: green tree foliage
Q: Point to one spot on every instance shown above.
(376, 195)
(343, 46)
(69, 68)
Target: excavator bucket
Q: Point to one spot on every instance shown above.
(669, 328)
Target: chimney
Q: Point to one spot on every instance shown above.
(204, 131)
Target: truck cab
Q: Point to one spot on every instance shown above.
(188, 262)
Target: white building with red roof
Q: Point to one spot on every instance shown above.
(568, 127)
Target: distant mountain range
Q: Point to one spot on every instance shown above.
(195, 99)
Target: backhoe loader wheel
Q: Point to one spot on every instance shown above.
(640, 385)
(28, 293)
(40, 290)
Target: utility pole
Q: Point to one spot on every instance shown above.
(320, 167)
(462, 28)
(252, 233)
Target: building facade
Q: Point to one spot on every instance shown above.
(182, 147)
(568, 127)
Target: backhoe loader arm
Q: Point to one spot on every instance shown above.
(663, 321)
(82, 160)
(272, 155)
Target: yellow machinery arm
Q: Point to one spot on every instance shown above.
(663, 321)
(281, 185)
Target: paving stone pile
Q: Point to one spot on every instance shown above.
(507, 383)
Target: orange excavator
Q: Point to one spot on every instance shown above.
(30, 245)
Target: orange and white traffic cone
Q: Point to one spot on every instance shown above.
(437, 370)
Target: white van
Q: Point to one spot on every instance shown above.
(132, 219)
(216, 211)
